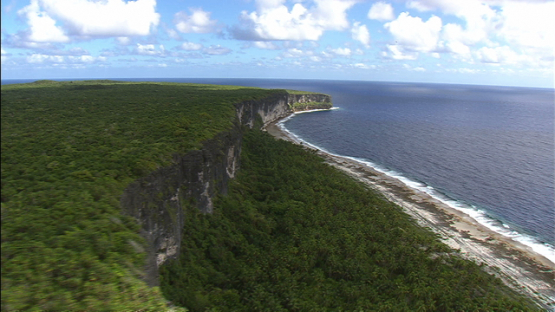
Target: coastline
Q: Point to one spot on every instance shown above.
(515, 263)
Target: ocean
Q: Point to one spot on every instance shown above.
(485, 150)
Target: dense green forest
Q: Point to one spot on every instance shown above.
(69, 149)
(293, 233)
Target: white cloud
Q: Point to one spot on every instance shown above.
(361, 34)
(341, 51)
(87, 59)
(480, 19)
(88, 18)
(463, 70)
(4, 55)
(149, 49)
(217, 50)
(191, 46)
(41, 58)
(173, 34)
(42, 27)
(529, 24)
(61, 59)
(398, 53)
(294, 53)
(381, 11)
(364, 66)
(454, 37)
(415, 35)
(529, 28)
(523, 27)
(198, 22)
(416, 69)
(498, 55)
(274, 21)
(265, 45)
(124, 40)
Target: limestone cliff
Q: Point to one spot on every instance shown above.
(157, 201)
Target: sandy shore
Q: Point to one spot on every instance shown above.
(516, 264)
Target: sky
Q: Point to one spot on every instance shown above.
(485, 42)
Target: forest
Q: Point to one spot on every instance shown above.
(292, 234)
(295, 234)
(69, 149)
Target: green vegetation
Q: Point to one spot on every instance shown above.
(300, 92)
(69, 149)
(310, 105)
(295, 234)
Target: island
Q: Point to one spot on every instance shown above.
(166, 196)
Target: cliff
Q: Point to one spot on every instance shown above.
(157, 201)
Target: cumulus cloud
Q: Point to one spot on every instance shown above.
(381, 11)
(498, 55)
(342, 51)
(149, 49)
(295, 53)
(123, 40)
(416, 69)
(87, 18)
(38, 58)
(265, 45)
(197, 22)
(191, 46)
(464, 70)
(526, 26)
(315, 58)
(413, 34)
(42, 27)
(361, 34)
(4, 55)
(397, 52)
(217, 50)
(363, 66)
(274, 21)
(529, 27)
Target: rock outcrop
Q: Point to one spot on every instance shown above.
(157, 201)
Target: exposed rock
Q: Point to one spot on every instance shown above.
(157, 201)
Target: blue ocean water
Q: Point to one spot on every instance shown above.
(486, 150)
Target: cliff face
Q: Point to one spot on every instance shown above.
(158, 200)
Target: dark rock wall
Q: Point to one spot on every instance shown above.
(157, 201)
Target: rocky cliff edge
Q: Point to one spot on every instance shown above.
(157, 201)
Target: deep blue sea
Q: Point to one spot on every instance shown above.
(486, 150)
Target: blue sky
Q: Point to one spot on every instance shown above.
(493, 42)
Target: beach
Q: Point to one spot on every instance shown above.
(515, 263)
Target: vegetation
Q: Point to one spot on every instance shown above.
(294, 234)
(300, 92)
(310, 105)
(69, 149)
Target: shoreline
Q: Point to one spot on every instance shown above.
(515, 263)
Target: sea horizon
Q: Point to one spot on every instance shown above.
(186, 80)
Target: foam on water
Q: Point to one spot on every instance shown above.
(314, 110)
(542, 248)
